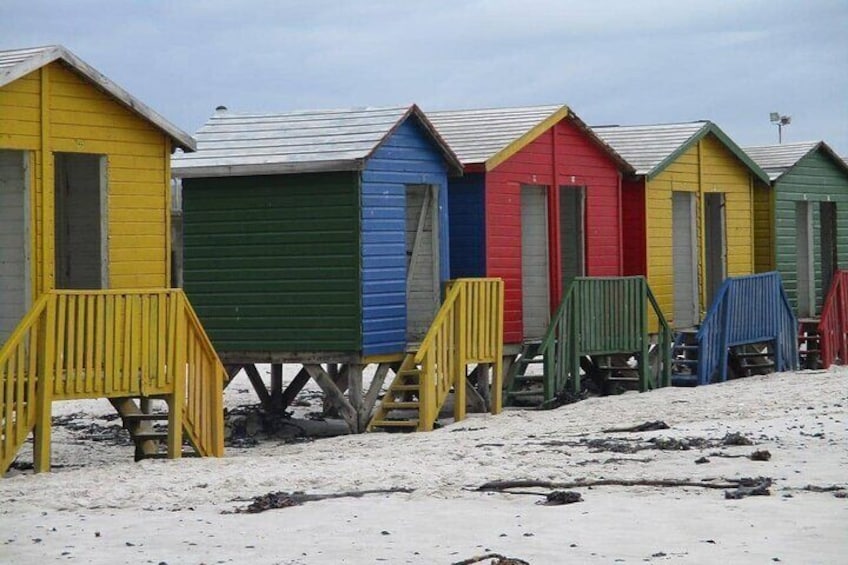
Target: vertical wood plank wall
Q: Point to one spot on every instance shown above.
(578, 162)
(705, 167)
(55, 110)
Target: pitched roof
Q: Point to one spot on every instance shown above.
(777, 160)
(16, 63)
(232, 143)
(490, 136)
(651, 148)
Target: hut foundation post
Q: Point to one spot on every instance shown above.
(276, 400)
(258, 385)
(333, 395)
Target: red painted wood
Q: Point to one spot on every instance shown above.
(567, 154)
(633, 216)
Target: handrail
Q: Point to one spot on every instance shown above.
(603, 315)
(467, 329)
(747, 310)
(833, 326)
(21, 369)
(113, 344)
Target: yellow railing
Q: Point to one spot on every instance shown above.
(111, 344)
(468, 329)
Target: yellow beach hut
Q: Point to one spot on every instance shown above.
(688, 213)
(85, 308)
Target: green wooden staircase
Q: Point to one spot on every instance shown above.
(600, 330)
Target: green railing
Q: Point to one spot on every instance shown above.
(605, 316)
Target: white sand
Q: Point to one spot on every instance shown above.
(103, 508)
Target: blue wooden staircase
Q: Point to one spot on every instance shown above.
(749, 329)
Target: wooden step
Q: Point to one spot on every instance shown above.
(525, 393)
(152, 435)
(404, 388)
(395, 423)
(142, 417)
(400, 405)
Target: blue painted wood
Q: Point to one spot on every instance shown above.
(408, 156)
(746, 310)
(467, 226)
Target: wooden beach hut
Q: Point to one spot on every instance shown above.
(688, 211)
(85, 305)
(320, 238)
(800, 231)
(539, 204)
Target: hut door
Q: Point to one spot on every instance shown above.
(80, 183)
(534, 261)
(804, 255)
(572, 233)
(14, 241)
(829, 262)
(422, 259)
(715, 249)
(684, 259)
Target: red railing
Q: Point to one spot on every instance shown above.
(833, 327)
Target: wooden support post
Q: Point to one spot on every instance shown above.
(176, 402)
(294, 388)
(375, 387)
(232, 371)
(354, 395)
(460, 369)
(44, 398)
(258, 385)
(276, 386)
(484, 382)
(333, 394)
(338, 374)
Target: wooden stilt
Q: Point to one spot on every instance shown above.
(175, 420)
(375, 387)
(294, 388)
(276, 386)
(258, 385)
(354, 394)
(232, 371)
(483, 383)
(333, 394)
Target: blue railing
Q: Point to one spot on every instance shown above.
(747, 310)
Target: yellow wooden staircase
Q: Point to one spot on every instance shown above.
(467, 330)
(127, 346)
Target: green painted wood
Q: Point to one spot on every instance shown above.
(815, 178)
(272, 263)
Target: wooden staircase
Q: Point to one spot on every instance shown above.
(148, 421)
(601, 323)
(684, 358)
(809, 343)
(399, 409)
(750, 329)
(526, 387)
(121, 345)
(467, 330)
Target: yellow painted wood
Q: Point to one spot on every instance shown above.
(707, 166)
(764, 226)
(111, 344)
(527, 138)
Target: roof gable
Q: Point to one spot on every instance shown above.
(237, 144)
(17, 63)
(778, 160)
(652, 148)
(493, 135)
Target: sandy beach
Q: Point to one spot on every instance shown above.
(98, 506)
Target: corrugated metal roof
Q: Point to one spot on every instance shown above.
(478, 135)
(777, 159)
(16, 63)
(231, 143)
(646, 147)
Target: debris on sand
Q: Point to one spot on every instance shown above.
(560, 497)
(282, 499)
(496, 559)
(750, 487)
(645, 427)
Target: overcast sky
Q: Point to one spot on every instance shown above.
(613, 62)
